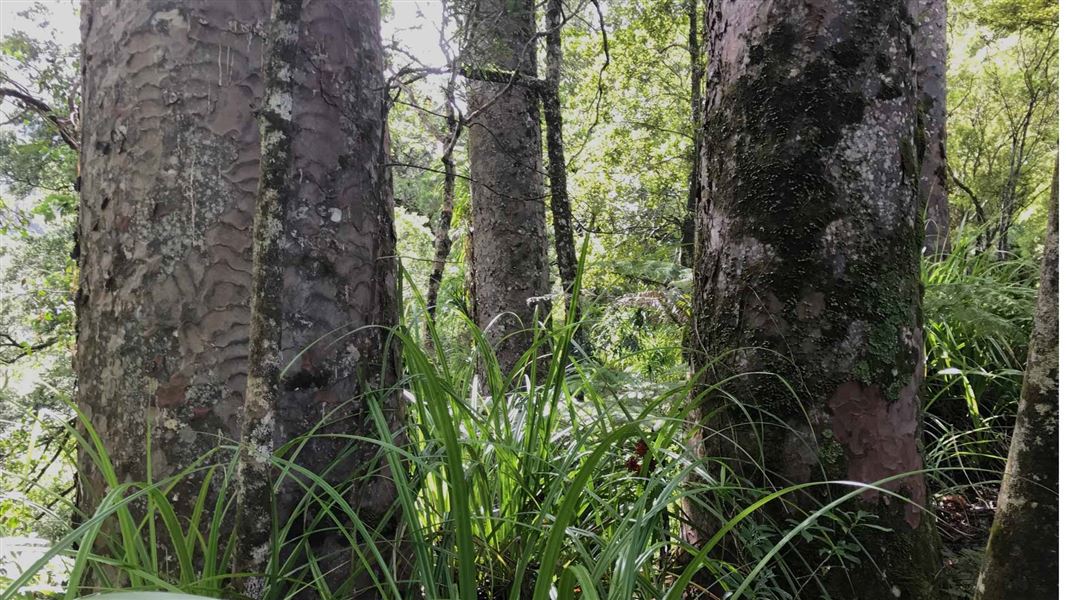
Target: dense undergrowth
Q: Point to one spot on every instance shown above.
(978, 316)
(551, 481)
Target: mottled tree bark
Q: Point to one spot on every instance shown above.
(1022, 560)
(562, 217)
(509, 239)
(169, 170)
(695, 51)
(808, 240)
(169, 192)
(255, 473)
(930, 56)
(328, 270)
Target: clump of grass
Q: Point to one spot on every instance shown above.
(507, 487)
(123, 544)
(978, 312)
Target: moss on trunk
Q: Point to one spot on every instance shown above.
(808, 243)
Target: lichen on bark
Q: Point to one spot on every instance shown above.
(170, 169)
(169, 164)
(255, 472)
(327, 285)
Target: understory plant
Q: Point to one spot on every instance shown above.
(530, 484)
(978, 309)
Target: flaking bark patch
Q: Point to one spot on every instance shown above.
(168, 167)
(878, 437)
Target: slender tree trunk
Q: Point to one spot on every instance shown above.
(931, 55)
(1008, 196)
(807, 263)
(695, 51)
(562, 218)
(169, 171)
(509, 239)
(1022, 560)
(442, 243)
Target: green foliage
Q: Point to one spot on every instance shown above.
(35, 163)
(978, 311)
(37, 281)
(632, 134)
(1003, 116)
(1012, 16)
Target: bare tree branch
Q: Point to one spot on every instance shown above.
(61, 124)
(24, 348)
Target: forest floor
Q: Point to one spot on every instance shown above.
(964, 520)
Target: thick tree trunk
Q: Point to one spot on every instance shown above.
(562, 217)
(166, 339)
(325, 275)
(1022, 559)
(931, 55)
(169, 170)
(807, 259)
(695, 51)
(509, 239)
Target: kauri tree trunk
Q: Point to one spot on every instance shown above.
(324, 274)
(809, 234)
(166, 338)
(509, 239)
(931, 55)
(169, 169)
(1022, 560)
